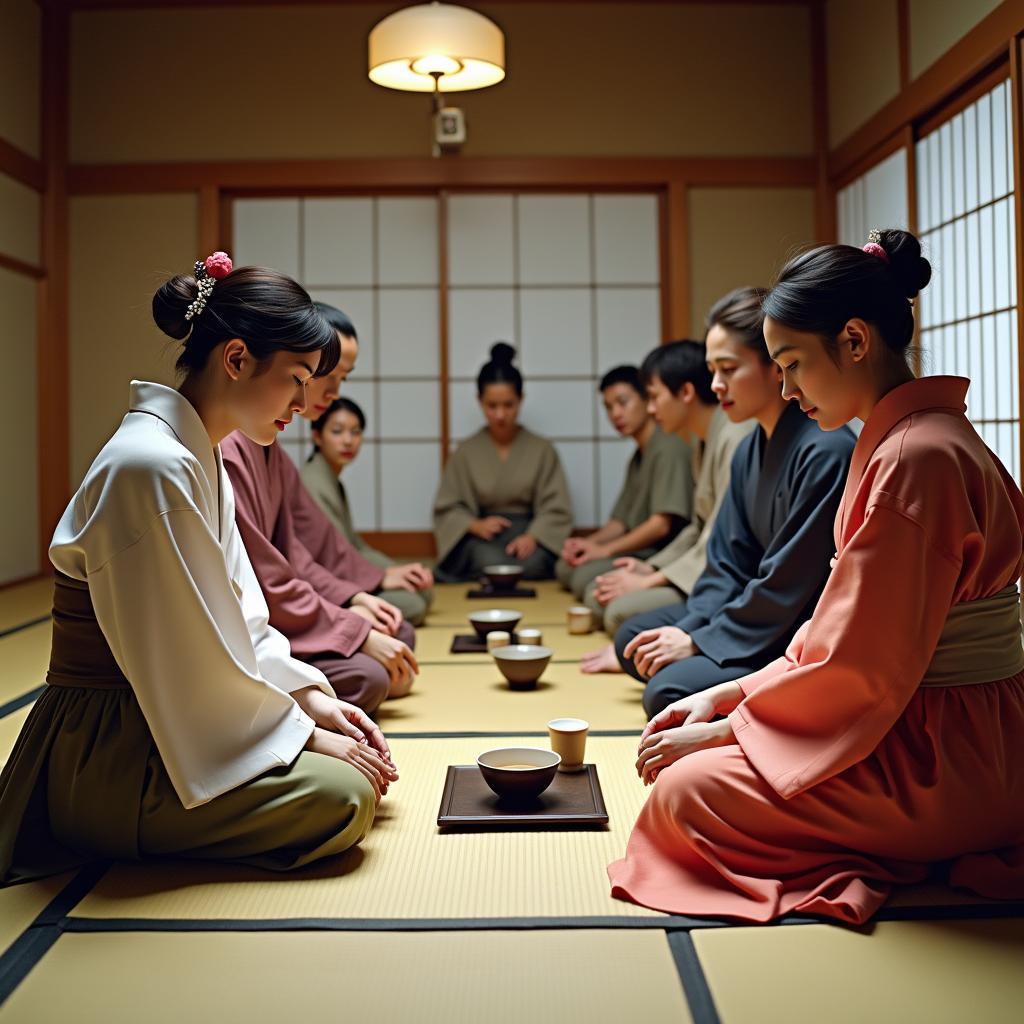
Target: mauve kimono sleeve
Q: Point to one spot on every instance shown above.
(335, 567)
(552, 506)
(860, 659)
(455, 505)
(312, 623)
(767, 609)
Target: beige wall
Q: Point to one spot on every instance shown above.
(742, 237)
(863, 51)
(19, 548)
(122, 249)
(936, 25)
(19, 73)
(19, 220)
(863, 62)
(274, 82)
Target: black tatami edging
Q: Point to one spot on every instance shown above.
(19, 702)
(464, 735)
(24, 625)
(35, 941)
(691, 975)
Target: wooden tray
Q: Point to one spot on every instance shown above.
(489, 593)
(573, 799)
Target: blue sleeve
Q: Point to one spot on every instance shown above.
(733, 552)
(761, 619)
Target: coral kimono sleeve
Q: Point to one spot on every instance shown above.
(863, 656)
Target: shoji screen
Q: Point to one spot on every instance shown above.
(965, 213)
(376, 258)
(877, 199)
(573, 282)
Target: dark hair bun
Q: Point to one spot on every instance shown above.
(503, 353)
(170, 304)
(909, 267)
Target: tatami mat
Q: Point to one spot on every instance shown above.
(433, 643)
(474, 697)
(25, 602)
(239, 978)
(24, 657)
(20, 904)
(897, 972)
(451, 605)
(406, 868)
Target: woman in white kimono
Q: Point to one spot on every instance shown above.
(503, 498)
(175, 721)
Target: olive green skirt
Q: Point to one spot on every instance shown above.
(85, 782)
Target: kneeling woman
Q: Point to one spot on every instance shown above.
(175, 721)
(889, 735)
(503, 498)
(337, 441)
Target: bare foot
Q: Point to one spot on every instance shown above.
(603, 660)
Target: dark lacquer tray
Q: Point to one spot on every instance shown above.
(470, 643)
(574, 799)
(490, 593)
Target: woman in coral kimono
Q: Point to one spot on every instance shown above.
(888, 737)
(174, 721)
(503, 498)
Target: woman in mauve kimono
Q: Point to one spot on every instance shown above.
(329, 601)
(889, 736)
(503, 498)
(175, 722)
(337, 437)
(768, 552)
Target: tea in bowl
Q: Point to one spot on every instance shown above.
(522, 664)
(518, 773)
(492, 619)
(503, 578)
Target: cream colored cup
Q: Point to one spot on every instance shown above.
(569, 739)
(498, 638)
(579, 619)
(530, 636)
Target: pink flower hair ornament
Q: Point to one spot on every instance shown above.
(874, 249)
(218, 265)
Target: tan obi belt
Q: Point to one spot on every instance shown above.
(980, 642)
(80, 655)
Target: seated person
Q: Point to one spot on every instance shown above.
(337, 439)
(679, 386)
(769, 550)
(320, 590)
(656, 497)
(503, 498)
(174, 721)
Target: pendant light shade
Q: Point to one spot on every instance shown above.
(460, 48)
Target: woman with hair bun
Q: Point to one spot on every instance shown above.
(503, 498)
(175, 721)
(888, 737)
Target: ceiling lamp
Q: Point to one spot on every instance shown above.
(436, 48)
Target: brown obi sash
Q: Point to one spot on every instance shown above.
(80, 654)
(980, 642)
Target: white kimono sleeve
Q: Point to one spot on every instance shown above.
(175, 624)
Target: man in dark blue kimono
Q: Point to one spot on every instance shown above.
(768, 560)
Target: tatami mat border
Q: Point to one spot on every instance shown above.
(24, 625)
(691, 974)
(395, 734)
(31, 946)
(19, 702)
